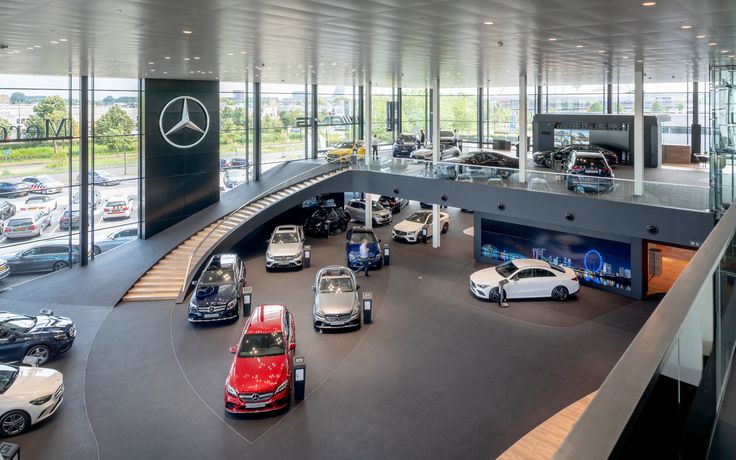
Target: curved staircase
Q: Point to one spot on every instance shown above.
(168, 278)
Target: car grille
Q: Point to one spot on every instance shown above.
(72, 332)
(59, 392)
(211, 309)
(400, 233)
(283, 257)
(254, 397)
(344, 317)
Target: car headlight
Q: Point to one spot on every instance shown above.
(61, 336)
(481, 286)
(282, 387)
(231, 391)
(377, 257)
(356, 310)
(269, 255)
(232, 304)
(41, 400)
(192, 305)
(319, 312)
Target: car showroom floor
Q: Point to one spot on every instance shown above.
(437, 374)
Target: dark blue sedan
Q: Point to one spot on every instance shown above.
(43, 258)
(356, 235)
(13, 189)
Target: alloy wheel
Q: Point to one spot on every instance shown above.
(13, 423)
(41, 352)
(560, 293)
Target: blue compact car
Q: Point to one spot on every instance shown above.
(356, 235)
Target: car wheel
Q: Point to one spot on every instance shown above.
(548, 162)
(42, 352)
(560, 293)
(60, 265)
(494, 296)
(14, 422)
(97, 251)
(445, 227)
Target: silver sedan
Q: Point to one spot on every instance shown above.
(336, 303)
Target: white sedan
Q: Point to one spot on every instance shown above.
(525, 279)
(27, 396)
(410, 229)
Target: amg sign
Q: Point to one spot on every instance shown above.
(50, 132)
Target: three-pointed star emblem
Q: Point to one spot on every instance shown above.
(185, 123)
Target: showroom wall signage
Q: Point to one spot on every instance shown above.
(50, 131)
(597, 262)
(181, 161)
(189, 105)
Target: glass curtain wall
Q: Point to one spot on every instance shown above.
(415, 110)
(236, 134)
(337, 116)
(576, 99)
(283, 132)
(114, 167)
(383, 113)
(459, 112)
(38, 177)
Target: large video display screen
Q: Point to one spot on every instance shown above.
(597, 262)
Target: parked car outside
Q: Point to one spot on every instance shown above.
(39, 203)
(356, 210)
(234, 177)
(218, 293)
(28, 395)
(238, 162)
(7, 209)
(224, 164)
(26, 225)
(14, 189)
(115, 239)
(4, 269)
(326, 220)
(42, 336)
(336, 302)
(117, 207)
(43, 258)
(355, 238)
(285, 247)
(526, 278)
(261, 372)
(101, 177)
(588, 171)
(43, 184)
(410, 229)
(94, 200)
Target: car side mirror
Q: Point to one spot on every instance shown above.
(292, 346)
(233, 350)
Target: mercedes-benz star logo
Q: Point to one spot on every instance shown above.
(254, 397)
(185, 124)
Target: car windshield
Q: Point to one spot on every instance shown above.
(417, 217)
(377, 206)
(406, 138)
(112, 204)
(591, 162)
(344, 145)
(285, 237)
(36, 199)
(335, 285)
(44, 178)
(506, 269)
(236, 173)
(20, 222)
(357, 237)
(73, 211)
(447, 134)
(217, 277)
(21, 324)
(259, 345)
(7, 376)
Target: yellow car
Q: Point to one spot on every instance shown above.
(343, 150)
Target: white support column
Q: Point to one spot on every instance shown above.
(639, 129)
(368, 123)
(436, 156)
(522, 129)
(369, 210)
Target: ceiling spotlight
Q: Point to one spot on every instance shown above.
(230, 54)
(167, 57)
(150, 63)
(186, 32)
(601, 51)
(243, 52)
(36, 46)
(648, 3)
(712, 44)
(578, 46)
(488, 23)
(166, 73)
(54, 42)
(625, 57)
(196, 58)
(63, 40)
(191, 71)
(724, 51)
(700, 36)
(552, 39)
(686, 27)
(29, 47)
(152, 70)
(187, 59)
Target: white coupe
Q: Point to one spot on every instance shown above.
(27, 396)
(410, 229)
(525, 278)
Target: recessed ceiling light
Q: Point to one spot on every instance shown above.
(552, 39)
(186, 32)
(578, 46)
(601, 51)
(732, 55)
(36, 46)
(625, 57)
(700, 36)
(29, 47)
(187, 59)
(150, 63)
(712, 44)
(63, 40)
(686, 26)
(488, 23)
(230, 54)
(167, 57)
(724, 51)
(118, 11)
(639, 60)
(196, 58)
(243, 52)
(648, 3)
(54, 42)
(191, 71)
(152, 70)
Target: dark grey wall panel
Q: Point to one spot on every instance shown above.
(178, 182)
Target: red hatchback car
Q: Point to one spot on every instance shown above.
(260, 376)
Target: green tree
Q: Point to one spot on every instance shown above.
(595, 107)
(680, 106)
(109, 100)
(17, 98)
(112, 129)
(232, 122)
(656, 107)
(54, 109)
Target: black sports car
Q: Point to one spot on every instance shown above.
(219, 291)
(548, 157)
(42, 337)
(326, 220)
(481, 163)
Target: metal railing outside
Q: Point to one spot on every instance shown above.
(610, 426)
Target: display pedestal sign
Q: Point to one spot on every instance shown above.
(424, 235)
(307, 256)
(247, 300)
(367, 307)
(501, 302)
(300, 378)
(386, 255)
(9, 451)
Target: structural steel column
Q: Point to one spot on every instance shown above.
(539, 99)
(368, 123)
(361, 131)
(436, 157)
(695, 130)
(480, 117)
(247, 130)
(609, 98)
(430, 131)
(368, 210)
(639, 128)
(522, 129)
(398, 110)
(256, 130)
(315, 122)
(84, 170)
